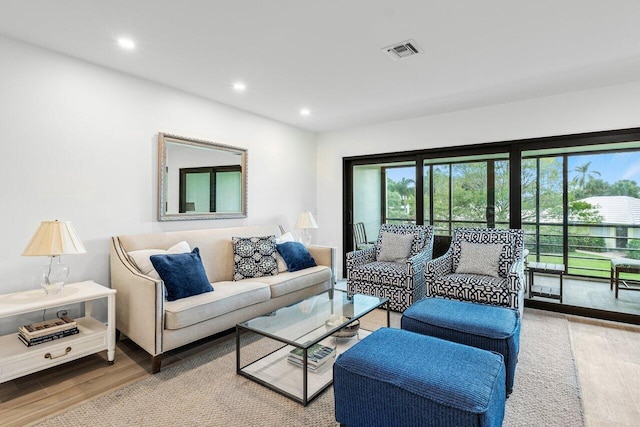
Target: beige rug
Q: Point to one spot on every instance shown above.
(205, 390)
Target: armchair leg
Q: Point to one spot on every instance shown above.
(156, 363)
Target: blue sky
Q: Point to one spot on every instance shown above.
(612, 167)
(396, 174)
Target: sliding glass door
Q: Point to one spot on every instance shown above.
(582, 210)
(577, 198)
(383, 193)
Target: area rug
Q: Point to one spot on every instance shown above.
(204, 390)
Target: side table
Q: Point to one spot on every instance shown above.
(17, 360)
(543, 267)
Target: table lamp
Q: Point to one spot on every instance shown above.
(52, 239)
(305, 222)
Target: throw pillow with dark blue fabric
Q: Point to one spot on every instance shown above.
(296, 256)
(183, 274)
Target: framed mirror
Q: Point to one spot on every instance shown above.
(200, 179)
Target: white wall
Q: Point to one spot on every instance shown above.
(613, 107)
(79, 143)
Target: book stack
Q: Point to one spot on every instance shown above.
(317, 355)
(49, 330)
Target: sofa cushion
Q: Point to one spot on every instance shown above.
(477, 258)
(142, 258)
(472, 287)
(382, 273)
(286, 237)
(395, 247)
(229, 296)
(296, 256)
(418, 232)
(183, 274)
(254, 257)
(488, 237)
(285, 283)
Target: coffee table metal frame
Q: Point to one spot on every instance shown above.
(302, 325)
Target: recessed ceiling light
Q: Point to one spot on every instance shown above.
(239, 87)
(126, 43)
(305, 112)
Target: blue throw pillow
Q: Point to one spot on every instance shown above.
(183, 274)
(295, 255)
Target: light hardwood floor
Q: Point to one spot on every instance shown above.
(607, 357)
(608, 361)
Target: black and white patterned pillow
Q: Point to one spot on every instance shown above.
(254, 257)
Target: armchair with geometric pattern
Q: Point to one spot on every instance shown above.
(394, 267)
(483, 265)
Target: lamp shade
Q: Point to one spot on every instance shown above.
(306, 220)
(54, 238)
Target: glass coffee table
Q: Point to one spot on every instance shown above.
(315, 320)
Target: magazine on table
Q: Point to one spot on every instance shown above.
(317, 355)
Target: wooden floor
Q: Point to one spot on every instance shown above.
(608, 361)
(26, 400)
(607, 357)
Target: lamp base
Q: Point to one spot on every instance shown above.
(52, 288)
(305, 237)
(53, 276)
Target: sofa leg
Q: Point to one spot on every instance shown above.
(156, 363)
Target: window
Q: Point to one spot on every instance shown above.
(473, 193)
(577, 197)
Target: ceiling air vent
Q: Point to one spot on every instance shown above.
(402, 50)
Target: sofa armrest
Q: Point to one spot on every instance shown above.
(439, 266)
(325, 255)
(516, 285)
(415, 269)
(516, 275)
(139, 302)
(359, 258)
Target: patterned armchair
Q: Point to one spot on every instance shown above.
(394, 267)
(482, 265)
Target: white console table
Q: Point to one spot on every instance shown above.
(17, 360)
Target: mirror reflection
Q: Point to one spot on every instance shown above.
(200, 179)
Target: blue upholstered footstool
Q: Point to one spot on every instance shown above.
(399, 378)
(483, 326)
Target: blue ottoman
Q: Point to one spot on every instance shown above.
(483, 326)
(399, 378)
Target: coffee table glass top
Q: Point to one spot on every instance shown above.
(305, 323)
(300, 326)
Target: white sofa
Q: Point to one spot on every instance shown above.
(158, 325)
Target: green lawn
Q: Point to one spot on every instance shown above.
(598, 267)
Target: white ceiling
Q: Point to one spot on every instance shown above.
(326, 55)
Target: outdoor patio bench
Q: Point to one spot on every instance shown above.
(624, 265)
(545, 291)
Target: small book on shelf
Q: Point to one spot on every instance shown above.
(317, 355)
(29, 342)
(47, 327)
